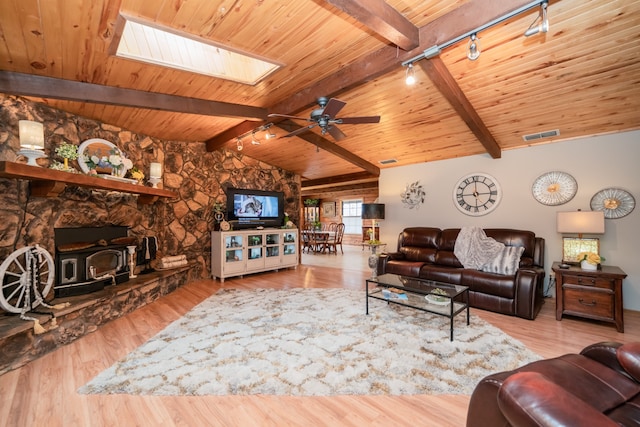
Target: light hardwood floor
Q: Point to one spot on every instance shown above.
(44, 391)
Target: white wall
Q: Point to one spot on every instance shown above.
(596, 163)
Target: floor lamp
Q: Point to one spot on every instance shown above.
(373, 211)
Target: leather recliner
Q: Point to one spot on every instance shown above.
(598, 387)
(428, 253)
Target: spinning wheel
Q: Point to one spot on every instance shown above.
(26, 277)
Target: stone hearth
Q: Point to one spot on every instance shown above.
(19, 345)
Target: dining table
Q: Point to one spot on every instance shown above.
(318, 240)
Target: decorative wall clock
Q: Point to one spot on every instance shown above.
(477, 194)
(554, 188)
(614, 202)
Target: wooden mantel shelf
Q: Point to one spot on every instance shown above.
(50, 183)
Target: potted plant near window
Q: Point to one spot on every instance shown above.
(310, 203)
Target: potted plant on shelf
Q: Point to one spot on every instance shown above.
(310, 203)
(67, 152)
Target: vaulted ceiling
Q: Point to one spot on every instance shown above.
(582, 77)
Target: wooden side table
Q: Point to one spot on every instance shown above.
(590, 294)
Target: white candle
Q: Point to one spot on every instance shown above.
(155, 170)
(31, 135)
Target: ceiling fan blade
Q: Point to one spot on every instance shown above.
(356, 120)
(333, 107)
(285, 116)
(297, 131)
(336, 133)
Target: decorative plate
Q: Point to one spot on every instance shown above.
(614, 202)
(99, 147)
(554, 188)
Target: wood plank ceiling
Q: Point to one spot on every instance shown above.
(582, 77)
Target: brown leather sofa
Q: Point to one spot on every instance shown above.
(427, 253)
(598, 387)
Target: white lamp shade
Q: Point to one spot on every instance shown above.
(31, 135)
(155, 170)
(580, 222)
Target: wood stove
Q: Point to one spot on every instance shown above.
(89, 258)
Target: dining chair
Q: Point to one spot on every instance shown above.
(337, 239)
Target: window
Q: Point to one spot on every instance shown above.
(352, 216)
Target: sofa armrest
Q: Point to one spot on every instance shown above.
(529, 284)
(385, 257)
(530, 399)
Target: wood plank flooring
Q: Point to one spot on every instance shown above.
(44, 391)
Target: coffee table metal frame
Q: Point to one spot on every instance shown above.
(416, 291)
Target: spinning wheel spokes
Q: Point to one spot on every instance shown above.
(26, 276)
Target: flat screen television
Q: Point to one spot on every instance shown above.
(247, 208)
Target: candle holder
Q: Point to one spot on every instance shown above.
(132, 261)
(31, 141)
(154, 181)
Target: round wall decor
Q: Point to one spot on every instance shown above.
(554, 188)
(614, 202)
(477, 194)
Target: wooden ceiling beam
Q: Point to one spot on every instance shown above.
(335, 180)
(448, 87)
(383, 19)
(49, 87)
(350, 187)
(329, 146)
(460, 21)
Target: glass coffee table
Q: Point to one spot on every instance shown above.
(429, 296)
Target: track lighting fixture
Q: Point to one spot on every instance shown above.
(410, 77)
(473, 47)
(269, 135)
(543, 27)
(239, 144)
(254, 141)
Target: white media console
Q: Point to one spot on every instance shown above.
(236, 253)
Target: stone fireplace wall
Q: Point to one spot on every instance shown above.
(181, 225)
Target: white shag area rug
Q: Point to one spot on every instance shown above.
(311, 342)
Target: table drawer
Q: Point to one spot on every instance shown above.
(589, 281)
(593, 303)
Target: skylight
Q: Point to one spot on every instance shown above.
(184, 52)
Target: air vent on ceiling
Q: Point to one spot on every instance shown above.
(540, 135)
(388, 161)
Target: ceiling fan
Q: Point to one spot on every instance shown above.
(325, 117)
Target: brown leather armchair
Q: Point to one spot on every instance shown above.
(598, 387)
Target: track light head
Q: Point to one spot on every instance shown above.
(239, 144)
(473, 48)
(410, 78)
(543, 27)
(254, 141)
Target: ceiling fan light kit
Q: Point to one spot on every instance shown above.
(325, 118)
(473, 46)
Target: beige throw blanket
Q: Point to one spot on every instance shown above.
(475, 250)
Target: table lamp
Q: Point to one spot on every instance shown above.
(31, 141)
(579, 222)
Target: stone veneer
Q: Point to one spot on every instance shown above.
(182, 225)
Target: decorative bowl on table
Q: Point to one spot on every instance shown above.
(438, 297)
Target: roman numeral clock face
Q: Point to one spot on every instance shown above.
(477, 194)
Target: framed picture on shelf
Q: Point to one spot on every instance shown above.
(329, 209)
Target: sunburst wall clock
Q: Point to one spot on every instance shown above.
(554, 188)
(614, 202)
